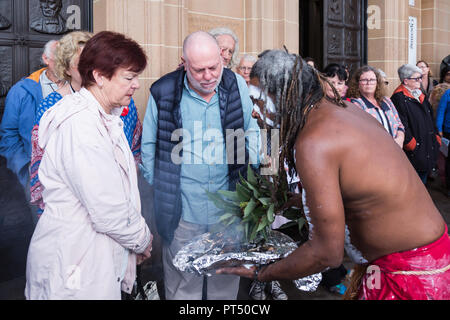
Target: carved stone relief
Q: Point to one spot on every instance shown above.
(351, 11)
(344, 41)
(5, 15)
(4, 22)
(5, 69)
(335, 10)
(47, 18)
(25, 27)
(334, 41)
(351, 45)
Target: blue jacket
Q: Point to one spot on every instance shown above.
(21, 104)
(443, 113)
(167, 93)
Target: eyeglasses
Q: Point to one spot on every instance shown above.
(245, 69)
(416, 79)
(368, 81)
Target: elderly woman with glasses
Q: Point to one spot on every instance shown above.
(422, 141)
(366, 90)
(245, 67)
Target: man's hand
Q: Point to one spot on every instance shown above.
(256, 114)
(239, 271)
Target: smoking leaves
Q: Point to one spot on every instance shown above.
(254, 205)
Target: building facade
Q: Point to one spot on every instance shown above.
(382, 33)
(393, 38)
(160, 27)
(403, 31)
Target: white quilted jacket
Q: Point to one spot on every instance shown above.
(85, 242)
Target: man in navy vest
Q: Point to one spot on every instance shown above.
(193, 116)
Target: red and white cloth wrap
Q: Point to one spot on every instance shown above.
(419, 274)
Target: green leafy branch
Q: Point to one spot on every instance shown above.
(254, 205)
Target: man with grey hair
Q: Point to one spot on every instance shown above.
(422, 139)
(245, 66)
(48, 79)
(21, 103)
(202, 104)
(228, 44)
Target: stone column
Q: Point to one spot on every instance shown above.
(271, 24)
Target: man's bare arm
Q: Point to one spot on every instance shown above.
(318, 166)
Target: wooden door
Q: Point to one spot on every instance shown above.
(25, 27)
(344, 33)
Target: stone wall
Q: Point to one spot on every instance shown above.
(388, 41)
(160, 26)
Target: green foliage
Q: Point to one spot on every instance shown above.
(254, 205)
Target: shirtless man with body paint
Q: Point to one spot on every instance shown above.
(354, 174)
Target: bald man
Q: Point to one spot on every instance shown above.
(194, 109)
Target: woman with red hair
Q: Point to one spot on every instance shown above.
(91, 234)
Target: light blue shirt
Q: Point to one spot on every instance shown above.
(204, 164)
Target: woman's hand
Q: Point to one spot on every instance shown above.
(400, 138)
(294, 200)
(146, 254)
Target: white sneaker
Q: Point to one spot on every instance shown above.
(277, 292)
(257, 290)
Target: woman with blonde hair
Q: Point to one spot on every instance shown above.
(67, 55)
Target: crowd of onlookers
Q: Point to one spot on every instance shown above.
(416, 114)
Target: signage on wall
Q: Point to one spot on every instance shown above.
(373, 17)
(412, 41)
